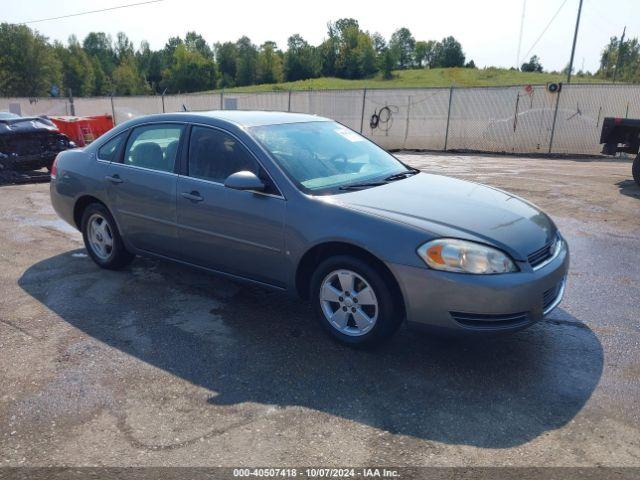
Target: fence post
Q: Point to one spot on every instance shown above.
(289, 102)
(406, 126)
(71, 105)
(364, 99)
(222, 99)
(113, 109)
(446, 133)
(555, 117)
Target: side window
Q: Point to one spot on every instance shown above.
(109, 150)
(153, 146)
(214, 155)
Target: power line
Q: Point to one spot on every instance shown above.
(91, 11)
(545, 29)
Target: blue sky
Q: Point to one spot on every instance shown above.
(487, 29)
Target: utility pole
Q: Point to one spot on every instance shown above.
(524, 6)
(615, 72)
(575, 39)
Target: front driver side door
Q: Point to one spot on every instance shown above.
(237, 232)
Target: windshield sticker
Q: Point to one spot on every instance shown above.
(349, 135)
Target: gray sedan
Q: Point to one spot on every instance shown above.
(303, 204)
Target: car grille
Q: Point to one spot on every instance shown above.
(481, 321)
(541, 255)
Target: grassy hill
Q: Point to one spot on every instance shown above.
(437, 77)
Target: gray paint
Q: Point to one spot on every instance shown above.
(263, 237)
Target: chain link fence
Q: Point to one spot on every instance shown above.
(514, 119)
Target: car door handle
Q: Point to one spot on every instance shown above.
(114, 178)
(193, 196)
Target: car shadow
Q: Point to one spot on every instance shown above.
(629, 188)
(247, 344)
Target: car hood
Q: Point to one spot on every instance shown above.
(445, 206)
(22, 125)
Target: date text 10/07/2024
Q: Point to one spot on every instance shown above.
(316, 472)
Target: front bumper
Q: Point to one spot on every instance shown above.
(482, 303)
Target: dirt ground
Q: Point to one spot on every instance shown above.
(161, 365)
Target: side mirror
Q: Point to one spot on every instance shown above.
(244, 180)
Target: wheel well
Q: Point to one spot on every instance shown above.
(314, 256)
(81, 204)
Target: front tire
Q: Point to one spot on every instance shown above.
(102, 238)
(635, 170)
(353, 301)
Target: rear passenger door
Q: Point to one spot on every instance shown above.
(238, 232)
(141, 187)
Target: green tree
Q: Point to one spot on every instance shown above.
(169, 48)
(625, 57)
(379, 43)
(269, 63)
(533, 65)
(190, 71)
(102, 82)
(388, 62)
(300, 60)
(403, 45)
(151, 64)
(448, 53)
(77, 69)
(367, 59)
(196, 43)
(28, 64)
(127, 79)
(123, 47)
(247, 64)
(328, 55)
(424, 54)
(227, 60)
(356, 55)
(347, 61)
(99, 45)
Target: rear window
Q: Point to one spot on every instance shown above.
(109, 150)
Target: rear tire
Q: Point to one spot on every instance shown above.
(102, 238)
(353, 302)
(635, 170)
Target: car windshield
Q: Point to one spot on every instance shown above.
(326, 157)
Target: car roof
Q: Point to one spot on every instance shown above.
(248, 118)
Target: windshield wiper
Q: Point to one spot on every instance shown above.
(356, 186)
(390, 178)
(401, 175)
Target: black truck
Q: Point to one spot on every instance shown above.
(622, 135)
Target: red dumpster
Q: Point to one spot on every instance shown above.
(83, 130)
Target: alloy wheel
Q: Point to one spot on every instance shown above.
(100, 236)
(348, 302)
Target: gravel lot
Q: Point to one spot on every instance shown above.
(161, 365)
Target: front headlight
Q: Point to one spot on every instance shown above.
(461, 256)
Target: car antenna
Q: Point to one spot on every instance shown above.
(184, 108)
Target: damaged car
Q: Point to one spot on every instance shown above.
(29, 143)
